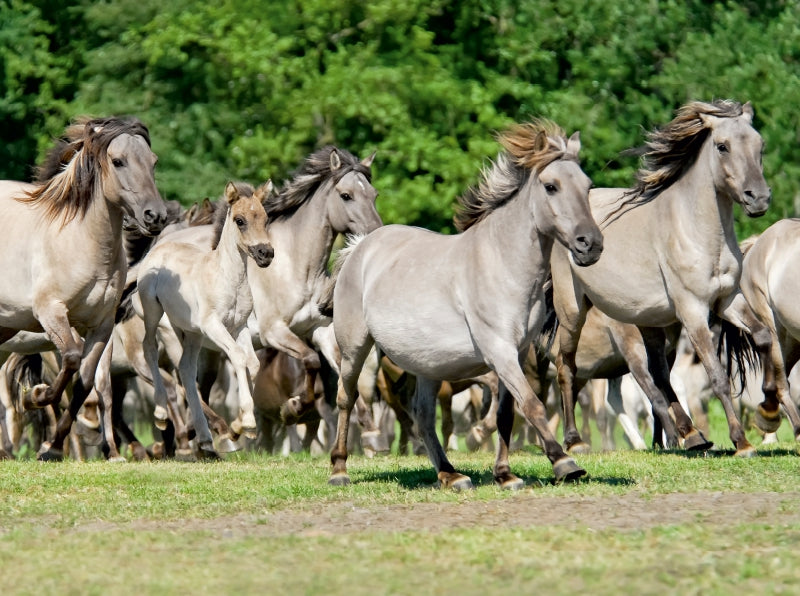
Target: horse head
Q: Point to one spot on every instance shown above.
(246, 211)
(128, 172)
(735, 149)
(558, 187)
(351, 196)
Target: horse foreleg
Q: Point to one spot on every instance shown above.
(566, 372)
(103, 389)
(187, 370)
(700, 335)
(55, 321)
(94, 346)
(772, 355)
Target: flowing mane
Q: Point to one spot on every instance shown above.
(672, 150)
(314, 171)
(65, 181)
(529, 147)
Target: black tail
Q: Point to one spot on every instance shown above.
(739, 350)
(548, 333)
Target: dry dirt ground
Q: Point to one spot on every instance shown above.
(627, 512)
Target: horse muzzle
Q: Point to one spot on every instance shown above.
(756, 204)
(586, 249)
(262, 254)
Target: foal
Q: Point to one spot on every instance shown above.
(205, 294)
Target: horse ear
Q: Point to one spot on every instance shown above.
(540, 142)
(574, 143)
(336, 162)
(747, 111)
(231, 194)
(264, 191)
(367, 161)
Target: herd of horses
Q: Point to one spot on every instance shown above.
(600, 281)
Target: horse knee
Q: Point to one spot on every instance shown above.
(71, 360)
(311, 361)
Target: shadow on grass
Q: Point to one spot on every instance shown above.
(720, 453)
(415, 479)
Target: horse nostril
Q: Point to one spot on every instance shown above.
(750, 194)
(150, 216)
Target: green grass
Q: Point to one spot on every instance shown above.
(166, 527)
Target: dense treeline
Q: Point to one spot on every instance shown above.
(246, 89)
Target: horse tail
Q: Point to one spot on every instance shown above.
(740, 352)
(23, 372)
(547, 335)
(326, 299)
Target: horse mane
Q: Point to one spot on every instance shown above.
(66, 178)
(524, 152)
(243, 189)
(313, 172)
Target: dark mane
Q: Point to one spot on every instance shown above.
(243, 189)
(65, 180)
(673, 149)
(529, 147)
(314, 171)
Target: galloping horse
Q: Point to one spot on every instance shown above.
(671, 255)
(61, 249)
(452, 307)
(205, 295)
(770, 285)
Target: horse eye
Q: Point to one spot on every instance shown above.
(550, 188)
(346, 196)
(118, 163)
(722, 148)
(239, 222)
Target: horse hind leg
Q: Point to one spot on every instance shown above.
(504, 417)
(424, 411)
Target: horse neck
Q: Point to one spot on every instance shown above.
(698, 208)
(229, 258)
(102, 224)
(310, 234)
(520, 244)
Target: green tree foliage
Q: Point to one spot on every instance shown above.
(245, 89)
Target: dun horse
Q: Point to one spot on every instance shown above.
(671, 255)
(61, 249)
(205, 295)
(453, 307)
(770, 284)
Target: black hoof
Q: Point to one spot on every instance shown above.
(695, 441)
(566, 470)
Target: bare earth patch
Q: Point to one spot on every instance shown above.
(625, 513)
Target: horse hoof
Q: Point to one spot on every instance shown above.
(695, 441)
(566, 470)
(580, 448)
(139, 452)
(5, 455)
(48, 453)
(375, 441)
(117, 459)
(770, 439)
(746, 451)
(454, 481)
(160, 417)
(767, 422)
(291, 410)
(207, 452)
(227, 445)
(37, 398)
(509, 481)
(475, 438)
(186, 455)
(249, 433)
(339, 479)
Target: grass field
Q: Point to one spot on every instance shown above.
(641, 523)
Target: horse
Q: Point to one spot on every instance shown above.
(671, 256)
(61, 249)
(768, 284)
(205, 295)
(452, 307)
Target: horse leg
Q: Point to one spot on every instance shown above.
(352, 361)
(423, 406)
(697, 329)
(566, 370)
(55, 321)
(94, 346)
(104, 394)
(772, 355)
(445, 398)
(479, 433)
(504, 417)
(187, 369)
(658, 384)
(510, 373)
